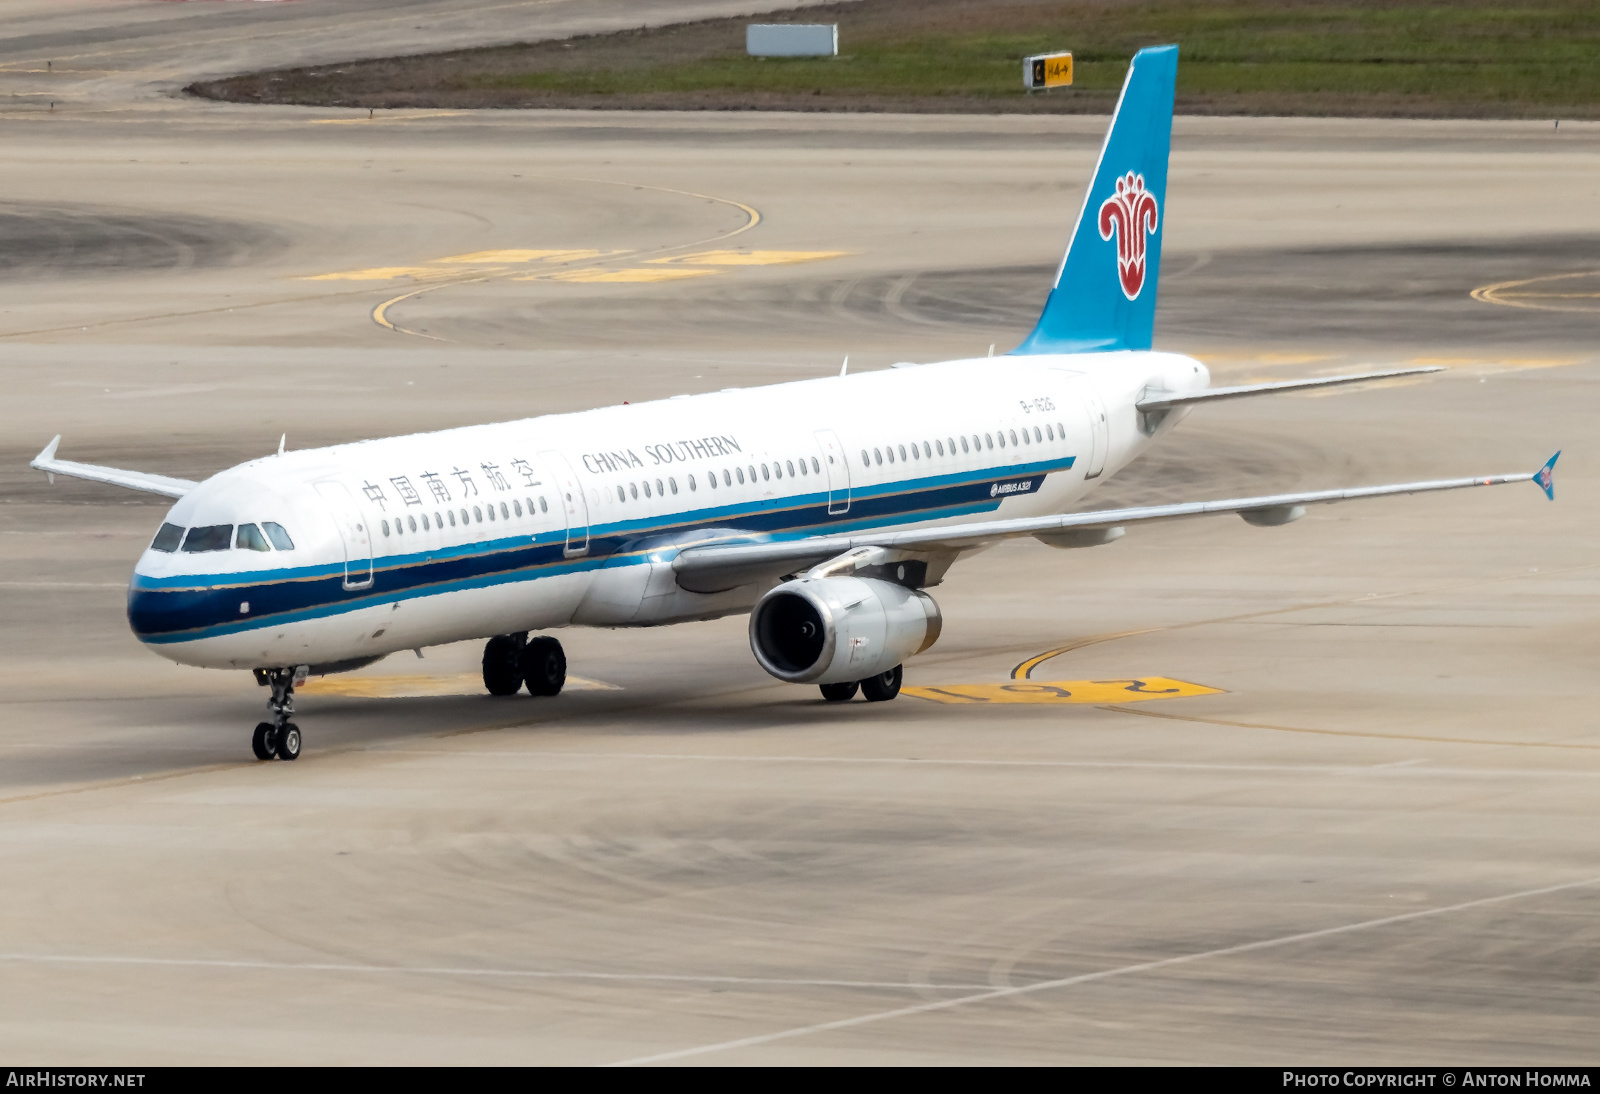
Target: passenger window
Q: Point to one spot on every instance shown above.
(452, 518)
(280, 539)
(504, 512)
(424, 522)
(516, 507)
(464, 518)
(727, 479)
(211, 537)
(1049, 431)
(764, 476)
(385, 525)
(711, 480)
(412, 523)
(866, 460)
(543, 508)
(963, 444)
(1061, 429)
(1002, 438)
(672, 482)
(692, 486)
(816, 467)
(1025, 438)
(989, 439)
(662, 492)
(791, 467)
(777, 469)
(952, 443)
(167, 539)
(490, 507)
(250, 538)
(902, 453)
(940, 446)
(478, 513)
(1013, 438)
(927, 450)
(752, 474)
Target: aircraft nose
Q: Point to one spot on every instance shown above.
(155, 613)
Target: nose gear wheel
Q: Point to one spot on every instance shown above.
(279, 737)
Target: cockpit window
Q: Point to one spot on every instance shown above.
(280, 539)
(250, 538)
(167, 539)
(209, 537)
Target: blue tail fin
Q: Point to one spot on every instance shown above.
(1105, 292)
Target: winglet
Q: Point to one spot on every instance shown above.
(46, 457)
(49, 452)
(1545, 477)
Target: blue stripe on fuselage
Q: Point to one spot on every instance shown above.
(174, 609)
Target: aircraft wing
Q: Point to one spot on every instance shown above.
(1156, 400)
(134, 480)
(714, 567)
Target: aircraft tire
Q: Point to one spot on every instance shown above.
(544, 666)
(502, 674)
(882, 687)
(261, 742)
(838, 693)
(289, 742)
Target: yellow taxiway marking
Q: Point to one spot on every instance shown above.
(512, 257)
(451, 266)
(750, 258)
(380, 273)
(411, 687)
(635, 276)
(1064, 691)
(1548, 297)
(380, 314)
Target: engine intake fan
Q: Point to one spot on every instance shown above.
(831, 630)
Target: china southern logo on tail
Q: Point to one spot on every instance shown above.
(1130, 214)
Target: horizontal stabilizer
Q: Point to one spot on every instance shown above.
(114, 476)
(1160, 401)
(716, 566)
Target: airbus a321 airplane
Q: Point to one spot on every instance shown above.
(824, 508)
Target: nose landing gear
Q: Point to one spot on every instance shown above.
(279, 737)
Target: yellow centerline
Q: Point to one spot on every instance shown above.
(1499, 293)
(380, 314)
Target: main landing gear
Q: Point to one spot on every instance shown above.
(279, 737)
(875, 689)
(512, 661)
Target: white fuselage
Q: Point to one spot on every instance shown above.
(574, 519)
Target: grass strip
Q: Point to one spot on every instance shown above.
(1415, 58)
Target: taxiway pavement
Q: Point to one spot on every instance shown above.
(1374, 843)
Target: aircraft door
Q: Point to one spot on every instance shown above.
(574, 506)
(353, 532)
(837, 466)
(1099, 434)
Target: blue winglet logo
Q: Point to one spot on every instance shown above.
(1546, 477)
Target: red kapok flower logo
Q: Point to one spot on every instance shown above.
(1130, 214)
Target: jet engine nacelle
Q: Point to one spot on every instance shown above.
(830, 630)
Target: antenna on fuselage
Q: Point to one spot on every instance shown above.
(844, 368)
(281, 441)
